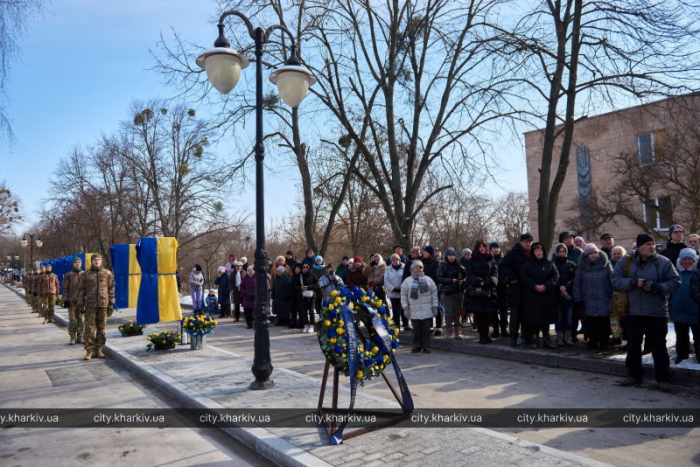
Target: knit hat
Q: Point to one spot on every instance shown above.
(590, 248)
(643, 238)
(290, 252)
(96, 255)
(465, 251)
(450, 252)
(197, 267)
(221, 269)
(526, 237)
(344, 258)
(565, 234)
(280, 269)
(357, 259)
(415, 249)
(244, 259)
(280, 258)
(688, 253)
(430, 249)
(561, 245)
(674, 227)
(579, 239)
(493, 245)
(318, 258)
(77, 260)
(415, 264)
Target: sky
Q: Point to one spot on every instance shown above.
(81, 66)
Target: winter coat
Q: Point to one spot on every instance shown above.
(538, 307)
(222, 282)
(592, 285)
(567, 272)
(421, 307)
(248, 291)
(482, 272)
(48, 284)
(682, 308)
(375, 274)
(281, 295)
(407, 268)
(356, 278)
(96, 288)
(196, 280)
(71, 286)
(309, 261)
(328, 285)
(695, 286)
(510, 268)
(309, 280)
(502, 287)
(318, 272)
(672, 251)
(657, 269)
(446, 274)
(430, 267)
(342, 271)
(393, 280)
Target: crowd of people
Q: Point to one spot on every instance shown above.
(516, 295)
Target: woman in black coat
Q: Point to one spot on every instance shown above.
(482, 279)
(539, 278)
(305, 288)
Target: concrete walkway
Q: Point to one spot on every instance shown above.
(216, 379)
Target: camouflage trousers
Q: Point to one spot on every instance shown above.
(48, 304)
(75, 321)
(32, 302)
(95, 324)
(40, 308)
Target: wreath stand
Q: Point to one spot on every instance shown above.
(386, 418)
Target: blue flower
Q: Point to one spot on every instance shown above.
(332, 314)
(368, 362)
(394, 344)
(345, 292)
(382, 310)
(385, 322)
(332, 332)
(338, 349)
(325, 304)
(379, 359)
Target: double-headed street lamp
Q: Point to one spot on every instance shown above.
(31, 244)
(223, 66)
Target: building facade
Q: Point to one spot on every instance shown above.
(597, 143)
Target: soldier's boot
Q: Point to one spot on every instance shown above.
(99, 353)
(79, 339)
(46, 320)
(88, 355)
(72, 339)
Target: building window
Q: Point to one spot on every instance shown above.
(651, 147)
(658, 212)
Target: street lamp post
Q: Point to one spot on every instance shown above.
(223, 66)
(31, 243)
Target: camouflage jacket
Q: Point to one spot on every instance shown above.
(96, 289)
(71, 286)
(27, 282)
(48, 284)
(35, 283)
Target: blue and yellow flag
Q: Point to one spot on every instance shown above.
(127, 275)
(159, 299)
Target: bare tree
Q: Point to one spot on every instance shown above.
(598, 50)
(9, 208)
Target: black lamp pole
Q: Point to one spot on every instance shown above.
(262, 363)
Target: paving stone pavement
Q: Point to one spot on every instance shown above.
(217, 379)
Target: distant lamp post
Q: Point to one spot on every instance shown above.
(223, 66)
(31, 242)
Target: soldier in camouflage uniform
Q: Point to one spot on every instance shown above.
(49, 287)
(96, 296)
(27, 282)
(38, 292)
(33, 299)
(71, 284)
(25, 279)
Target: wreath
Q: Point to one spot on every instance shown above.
(372, 350)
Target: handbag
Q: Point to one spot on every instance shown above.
(306, 293)
(619, 304)
(478, 292)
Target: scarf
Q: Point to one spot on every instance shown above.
(396, 267)
(420, 283)
(238, 279)
(77, 270)
(319, 267)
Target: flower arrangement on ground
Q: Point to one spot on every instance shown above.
(198, 324)
(60, 301)
(373, 351)
(131, 329)
(162, 340)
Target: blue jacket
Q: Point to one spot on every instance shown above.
(681, 306)
(657, 269)
(224, 289)
(592, 285)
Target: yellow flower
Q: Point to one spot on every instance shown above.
(386, 358)
(326, 323)
(365, 298)
(375, 349)
(396, 331)
(331, 307)
(338, 300)
(148, 338)
(341, 322)
(360, 374)
(352, 306)
(332, 340)
(215, 322)
(360, 348)
(341, 331)
(335, 293)
(163, 341)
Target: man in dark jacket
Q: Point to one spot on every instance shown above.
(510, 269)
(675, 243)
(430, 267)
(499, 319)
(608, 243)
(651, 279)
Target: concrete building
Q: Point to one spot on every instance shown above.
(597, 142)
